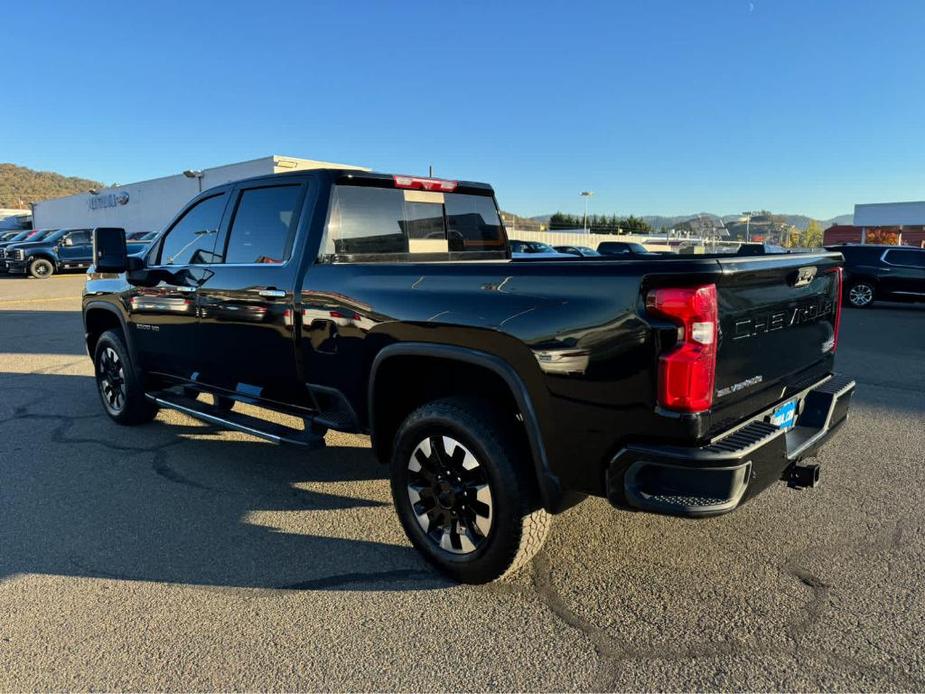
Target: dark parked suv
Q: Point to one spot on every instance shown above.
(886, 273)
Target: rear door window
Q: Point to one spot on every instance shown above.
(262, 226)
(906, 258)
(393, 222)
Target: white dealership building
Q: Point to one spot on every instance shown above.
(150, 205)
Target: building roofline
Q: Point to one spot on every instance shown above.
(884, 204)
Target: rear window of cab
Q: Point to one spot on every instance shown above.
(388, 224)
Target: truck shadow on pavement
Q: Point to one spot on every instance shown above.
(177, 503)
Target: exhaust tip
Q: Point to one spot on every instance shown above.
(803, 476)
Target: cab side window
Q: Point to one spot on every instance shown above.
(262, 225)
(191, 240)
(79, 238)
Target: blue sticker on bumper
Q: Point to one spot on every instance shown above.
(785, 415)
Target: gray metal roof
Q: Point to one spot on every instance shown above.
(889, 214)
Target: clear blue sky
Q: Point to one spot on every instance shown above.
(661, 107)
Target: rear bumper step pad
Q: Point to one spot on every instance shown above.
(717, 477)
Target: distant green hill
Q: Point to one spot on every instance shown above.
(19, 186)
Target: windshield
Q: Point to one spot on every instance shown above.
(40, 235)
(47, 235)
(617, 247)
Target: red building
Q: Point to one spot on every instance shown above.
(900, 236)
(841, 233)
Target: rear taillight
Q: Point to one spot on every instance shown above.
(417, 183)
(839, 280)
(687, 374)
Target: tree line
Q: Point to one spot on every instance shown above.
(600, 223)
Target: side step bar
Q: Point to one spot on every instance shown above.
(236, 421)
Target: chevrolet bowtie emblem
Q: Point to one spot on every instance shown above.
(803, 276)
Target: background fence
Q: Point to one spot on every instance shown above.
(565, 238)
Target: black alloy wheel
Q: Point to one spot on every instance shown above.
(463, 487)
(110, 375)
(450, 494)
(119, 386)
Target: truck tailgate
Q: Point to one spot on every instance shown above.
(777, 328)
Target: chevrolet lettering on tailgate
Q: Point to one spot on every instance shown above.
(769, 322)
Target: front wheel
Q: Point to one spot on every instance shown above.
(120, 389)
(860, 294)
(41, 268)
(463, 492)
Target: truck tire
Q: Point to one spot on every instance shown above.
(462, 491)
(41, 268)
(120, 389)
(860, 294)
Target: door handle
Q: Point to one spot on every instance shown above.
(272, 293)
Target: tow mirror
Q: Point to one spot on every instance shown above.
(109, 251)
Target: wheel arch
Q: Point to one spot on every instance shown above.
(100, 316)
(381, 432)
(861, 277)
(42, 255)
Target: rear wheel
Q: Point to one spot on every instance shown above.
(41, 268)
(462, 492)
(120, 390)
(860, 294)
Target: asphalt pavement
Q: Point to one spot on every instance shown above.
(175, 556)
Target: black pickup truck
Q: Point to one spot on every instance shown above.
(498, 391)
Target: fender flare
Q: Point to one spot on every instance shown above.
(548, 483)
(106, 306)
(45, 255)
(861, 277)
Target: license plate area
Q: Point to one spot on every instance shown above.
(784, 416)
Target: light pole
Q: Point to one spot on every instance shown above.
(586, 194)
(192, 173)
(748, 222)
